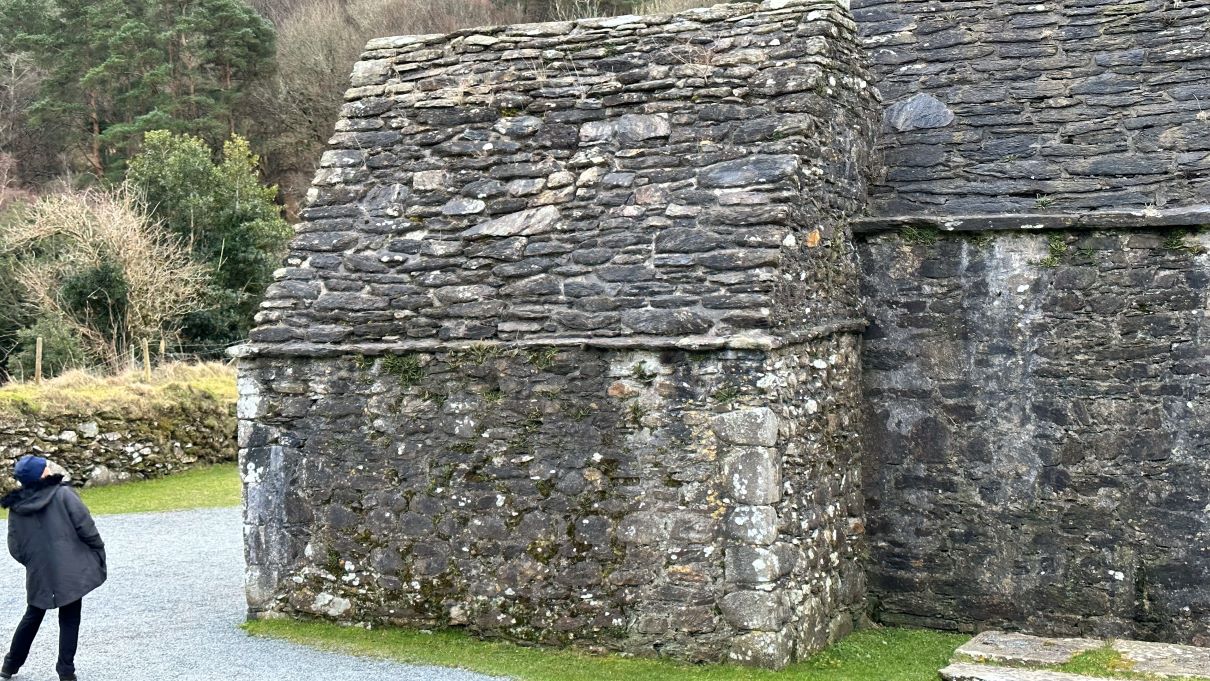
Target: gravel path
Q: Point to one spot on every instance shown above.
(170, 611)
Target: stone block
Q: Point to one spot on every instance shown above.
(522, 223)
(660, 322)
(752, 475)
(920, 111)
(752, 525)
(767, 649)
(754, 170)
(751, 565)
(755, 610)
(755, 426)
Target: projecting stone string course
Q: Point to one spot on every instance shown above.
(575, 344)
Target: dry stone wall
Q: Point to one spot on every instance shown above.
(1019, 106)
(700, 505)
(633, 177)
(105, 447)
(566, 347)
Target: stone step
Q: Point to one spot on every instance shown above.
(1165, 659)
(962, 671)
(1022, 650)
(1160, 659)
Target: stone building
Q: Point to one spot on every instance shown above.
(671, 335)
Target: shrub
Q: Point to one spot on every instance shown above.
(226, 216)
(95, 262)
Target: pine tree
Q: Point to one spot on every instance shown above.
(119, 68)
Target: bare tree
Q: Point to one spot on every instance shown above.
(36, 151)
(317, 45)
(81, 232)
(19, 80)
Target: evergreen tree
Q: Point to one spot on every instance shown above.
(119, 68)
(225, 214)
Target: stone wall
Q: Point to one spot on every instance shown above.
(1038, 429)
(1018, 106)
(107, 446)
(698, 505)
(565, 347)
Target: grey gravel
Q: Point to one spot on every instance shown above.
(171, 610)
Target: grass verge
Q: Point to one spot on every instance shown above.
(867, 655)
(209, 487)
(81, 392)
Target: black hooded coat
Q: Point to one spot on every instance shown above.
(51, 533)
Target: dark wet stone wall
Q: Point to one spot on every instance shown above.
(1038, 429)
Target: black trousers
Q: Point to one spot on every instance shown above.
(69, 635)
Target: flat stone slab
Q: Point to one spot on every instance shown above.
(980, 672)
(1022, 650)
(1166, 659)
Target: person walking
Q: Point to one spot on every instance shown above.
(51, 533)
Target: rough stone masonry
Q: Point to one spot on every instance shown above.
(1035, 271)
(568, 347)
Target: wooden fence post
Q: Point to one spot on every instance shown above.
(38, 361)
(146, 361)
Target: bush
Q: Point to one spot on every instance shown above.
(95, 262)
(228, 218)
(62, 350)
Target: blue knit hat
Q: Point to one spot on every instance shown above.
(29, 469)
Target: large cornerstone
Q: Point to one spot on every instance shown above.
(566, 348)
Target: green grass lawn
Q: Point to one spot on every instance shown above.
(867, 655)
(207, 487)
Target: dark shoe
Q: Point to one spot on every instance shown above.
(7, 675)
(68, 678)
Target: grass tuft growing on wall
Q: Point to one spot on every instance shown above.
(81, 392)
(867, 655)
(919, 236)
